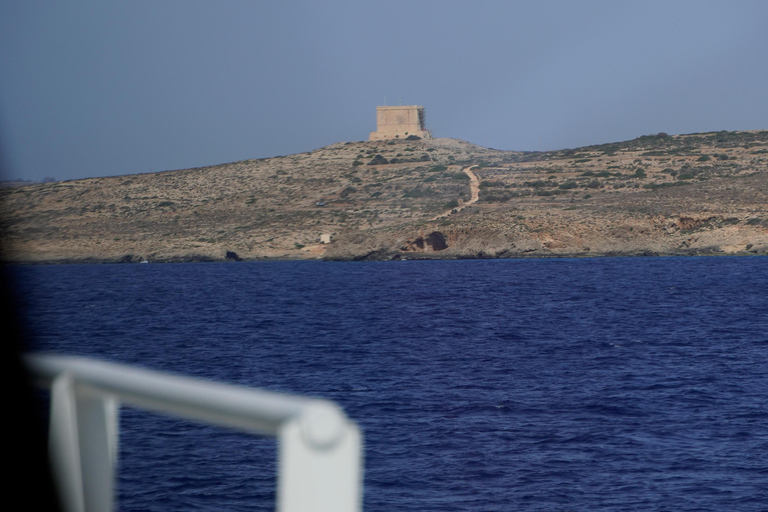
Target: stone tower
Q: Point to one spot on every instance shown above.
(399, 123)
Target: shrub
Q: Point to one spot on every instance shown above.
(568, 185)
(419, 192)
(640, 173)
(703, 158)
(378, 160)
(451, 204)
(538, 184)
(487, 183)
(413, 137)
(498, 196)
(654, 186)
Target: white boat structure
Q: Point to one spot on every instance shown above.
(319, 448)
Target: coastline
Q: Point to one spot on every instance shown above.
(387, 256)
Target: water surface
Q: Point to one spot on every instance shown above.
(541, 385)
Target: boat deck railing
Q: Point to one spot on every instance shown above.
(319, 448)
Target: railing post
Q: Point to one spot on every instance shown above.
(320, 461)
(97, 426)
(63, 443)
(84, 437)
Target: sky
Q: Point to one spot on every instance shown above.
(100, 88)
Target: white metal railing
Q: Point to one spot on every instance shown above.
(319, 448)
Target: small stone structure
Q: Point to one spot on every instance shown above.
(399, 123)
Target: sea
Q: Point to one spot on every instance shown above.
(547, 385)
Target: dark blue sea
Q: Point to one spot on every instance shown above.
(615, 384)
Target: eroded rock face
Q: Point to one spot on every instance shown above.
(436, 240)
(433, 242)
(690, 223)
(232, 256)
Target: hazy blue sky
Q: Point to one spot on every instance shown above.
(95, 88)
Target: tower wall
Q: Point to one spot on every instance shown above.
(399, 122)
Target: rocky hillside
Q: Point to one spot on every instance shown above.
(660, 194)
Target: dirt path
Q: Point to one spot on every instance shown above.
(474, 187)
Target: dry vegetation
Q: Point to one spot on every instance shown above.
(659, 194)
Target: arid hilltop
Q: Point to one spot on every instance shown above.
(658, 194)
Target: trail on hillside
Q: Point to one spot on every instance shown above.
(474, 187)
